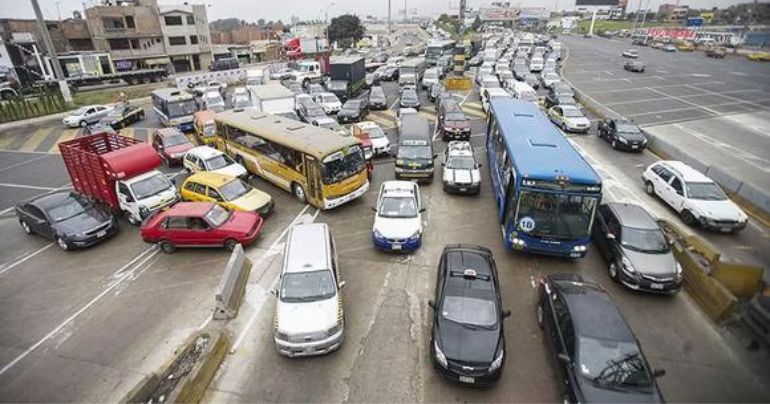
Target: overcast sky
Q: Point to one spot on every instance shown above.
(252, 10)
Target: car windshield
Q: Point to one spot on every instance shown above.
(67, 210)
(220, 161)
(377, 92)
(706, 191)
(214, 98)
(566, 100)
(217, 215)
(175, 140)
(307, 286)
(612, 363)
(182, 108)
(431, 75)
(151, 186)
(552, 76)
(375, 132)
(234, 190)
(461, 163)
(627, 128)
(330, 98)
(456, 116)
(241, 102)
(343, 164)
(414, 152)
(330, 124)
(469, 311)
(351, 106)
(409, 95)
(572, 113)
(315, 110)
(398, 207)
(644, 240)
(491, 84)
(80, 111)
(553, 215)
(209, 129)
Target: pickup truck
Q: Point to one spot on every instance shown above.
(118, 172)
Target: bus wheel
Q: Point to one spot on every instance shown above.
(299, 193)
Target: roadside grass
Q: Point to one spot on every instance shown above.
(110, 95)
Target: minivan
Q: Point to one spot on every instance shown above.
(414, 158)
(309, 317)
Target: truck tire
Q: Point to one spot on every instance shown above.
(132, 219)
(299, 192)
(306, 83)
(166, 247)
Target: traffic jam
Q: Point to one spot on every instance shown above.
(231, 157)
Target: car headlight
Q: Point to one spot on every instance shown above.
(678, 272)
(114, 123)
(579, 248)
(416, 235)
(497, 362)
(377, 234)
(627, 266)
(282, 335)
(518, 242)
(623, 140)
(337, 327)
(440, 357)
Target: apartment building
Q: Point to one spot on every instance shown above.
(186, 36)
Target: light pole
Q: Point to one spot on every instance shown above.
(63, 87)
(326, 12)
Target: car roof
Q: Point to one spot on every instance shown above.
(593, 312)
(497, 91)
(189, 209)
(49, 201)
(306, 248)
(164, 132)
(633, 215)
(204, 152)
(687, 173)
(399, 186)
(460, 258)
(366, 125)
(569, 107)
(209, 178)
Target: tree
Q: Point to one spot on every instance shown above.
(346, 30)
(261, 22)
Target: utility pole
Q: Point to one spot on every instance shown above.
(406, 13)
(63, 87)
(389, 29)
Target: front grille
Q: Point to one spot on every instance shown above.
(308, 337)
(97, 229)
(653, 278)
(470, 369)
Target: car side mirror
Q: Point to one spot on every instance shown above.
(432, 304)
(374, 209)
(505, 314)
(435, 155)
(443, 164)
(479, 165)
(659, 373)
(274, 292)
(610, 236)
(679, 192)
(565, 358)
(422, 210)
(341, 284)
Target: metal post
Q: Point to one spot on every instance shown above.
(389, 29)
(65, 90)
(406, 13)
(593, 20)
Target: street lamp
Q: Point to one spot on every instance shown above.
(326, 12)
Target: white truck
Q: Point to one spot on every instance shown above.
(272, 98)
(308, 71)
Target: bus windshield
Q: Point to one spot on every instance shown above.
(554, 215)
(181, 108)
(343, 164)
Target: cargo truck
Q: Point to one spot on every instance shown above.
(347, 77)
(118, 172)
(272, 98)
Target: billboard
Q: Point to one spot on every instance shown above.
(671, 33)
(499, 13)
(539, 13)
(579, 3)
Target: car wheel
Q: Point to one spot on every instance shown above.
(540, 316)
(132, 219)
(614, 143)
(82, 124)
(687, 217)
(613, 269)
(25, 226)
(649, 188)
(166, 247)
(299, 193)
(230, 244)
(62, 244)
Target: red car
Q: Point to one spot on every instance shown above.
(200, 224)
(171, 144)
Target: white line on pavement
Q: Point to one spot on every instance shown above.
(5, 184)
(680, 99)
(627, 89)
(25, 258)
(724, 95)
(21, 163)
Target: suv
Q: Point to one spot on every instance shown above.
(697, 198)
(467, 340)
(398, 221)
(452, 121)
(638, 253)
(461, 172)
(599, 357)
(309, 316)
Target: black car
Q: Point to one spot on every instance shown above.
(637, 252)
(377, 99)
(552, 99)
(67, 218)
(98, 127)
(409, 99)
(309, 110)
(598, 357)
(467, 341)
(622, 134)
(122, 116)
(634, 66)
(353, 111)
(562, 88)
(532, 80)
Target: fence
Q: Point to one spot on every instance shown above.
(45, 102)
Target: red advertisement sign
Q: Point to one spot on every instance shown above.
(673, 33)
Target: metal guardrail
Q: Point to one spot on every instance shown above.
(233, 285)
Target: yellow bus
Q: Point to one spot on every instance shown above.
(315, 164)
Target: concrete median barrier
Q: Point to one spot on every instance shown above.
(233, 285)
(744, 281)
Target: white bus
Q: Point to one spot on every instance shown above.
(175, 108)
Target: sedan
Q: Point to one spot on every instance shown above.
(569, 118)
(123, 116)
(398, 219)
(467, 340)
(552, 99)
(635, 66)
(669, 48)
(309, 111)
(409, 99)
(200, 224)
(329, 102)
(85, 115)
(353, 111)
(67, 218)
(549, 78)
(638, 253)
(631, 53)
(532, 80)
(599, 358)
(390, 73)
(171, 145)
(377, 99)
(622, 134)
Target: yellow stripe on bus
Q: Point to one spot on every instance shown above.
(37, 137)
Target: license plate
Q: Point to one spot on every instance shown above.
(101, 233)
(463, 189)
(634, 146)
(725, 229)
(466, 379)
(656, 286)
(396, 246)
(574, 255)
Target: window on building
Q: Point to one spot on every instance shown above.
(202, 39)
(113, 23)
(134, 43)
(130, 21)
(177, 40)
(173, 20)
(193, 40)
(52, 27)
(190, 20)
(118, 44)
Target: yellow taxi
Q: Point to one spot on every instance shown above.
(229, 192)
(759, 56)
(686, 47)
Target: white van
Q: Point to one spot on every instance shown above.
(431, 77)
(522, 91)
(309, 318)
(536, 64)
(255, 77)
(488, 94)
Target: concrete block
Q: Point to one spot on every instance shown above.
(742, 280)
(233, 285)
(714, 298)
(727, 181)
(757, 197)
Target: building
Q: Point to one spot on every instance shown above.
(672, 12)
(243, 35)
(186, 36)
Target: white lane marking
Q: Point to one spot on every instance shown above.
(747, 157)
(24, 258)
(680, 99)
(663, 111)
(435, 129)
(627, 89)
(465, 98)
(394, 104)
(724, 95)
(21, 163)
(700, 75)
(9, 185)
(141, 256)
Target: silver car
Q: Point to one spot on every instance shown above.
(86, 115)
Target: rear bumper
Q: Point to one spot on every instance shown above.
(455, 188)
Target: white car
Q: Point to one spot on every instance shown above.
(241, 98)
(398, 221)
(549, 78)
(488, 82)
(86, 115)
(299, 99)
(696, 197)
(631, 53)
(329, 102)
(461, 171)
(569, 118)
(205, 158)
(403, 112)
(213, 101)
(488, 94)
(330, 123)
(380, 142)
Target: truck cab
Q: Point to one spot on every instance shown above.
(308, 71)
(141, 195)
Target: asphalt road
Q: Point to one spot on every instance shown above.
(87, 325)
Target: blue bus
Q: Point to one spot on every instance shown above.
(175, 108)
(546, 193)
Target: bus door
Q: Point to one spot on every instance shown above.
(313, 175)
